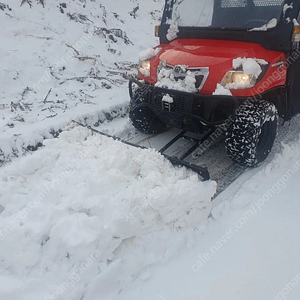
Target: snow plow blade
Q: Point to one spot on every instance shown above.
(180, 162)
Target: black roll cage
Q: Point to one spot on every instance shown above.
(276, 39)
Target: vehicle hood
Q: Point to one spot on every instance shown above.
(206, 53)
(217, 55)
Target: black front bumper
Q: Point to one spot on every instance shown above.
(188, 111)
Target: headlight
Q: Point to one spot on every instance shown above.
(145, 67)
(238, 80)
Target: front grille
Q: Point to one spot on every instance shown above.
(200, 73)
(199, 80)
(179, 103)
(184, 122)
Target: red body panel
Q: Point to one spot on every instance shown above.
(218, 56)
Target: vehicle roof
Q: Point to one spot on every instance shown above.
(277, 39)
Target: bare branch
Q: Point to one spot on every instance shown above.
(45, 100)
(26, 1)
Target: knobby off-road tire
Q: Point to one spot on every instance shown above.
(142, 117)
(250, 137)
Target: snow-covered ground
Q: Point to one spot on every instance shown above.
(67, 60)
(85, 217)
(249, 248)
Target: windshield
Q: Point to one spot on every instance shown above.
(230, 14)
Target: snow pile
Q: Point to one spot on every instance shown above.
(86, 207)
(166, 79)
(249, 65)
(173, 30)
(15, 143)
(64, 61)
(149, 53)
(168, 99)
(220, 90)
(252, 69)
(252, 235)
(271, 24)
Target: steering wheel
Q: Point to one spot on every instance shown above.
(262, 21)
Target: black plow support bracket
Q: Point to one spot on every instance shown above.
(201, 171)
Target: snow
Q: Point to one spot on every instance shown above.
(295, 22)
(168, 99)
(286, 7)
(86, 207)
(249, 65)
(262, 62)
(144, 72)
(220, 90)
(173, 30)
(149, 53)
(248, 250)
(79, 53)
(86, 217)
(272, 24)
(166, 79)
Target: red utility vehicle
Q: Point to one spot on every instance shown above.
(228, 63)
